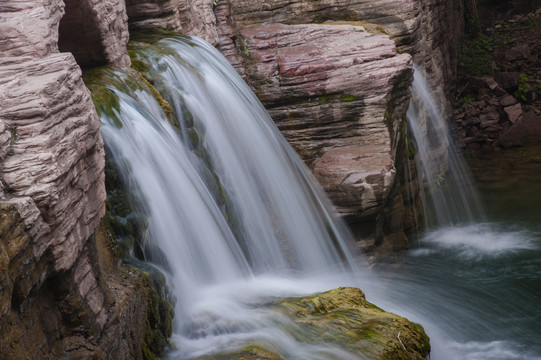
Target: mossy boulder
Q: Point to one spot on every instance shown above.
(252, 352)
(343, 317)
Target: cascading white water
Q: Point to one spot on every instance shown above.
(449, 195)
(239, 222)
(479, 275)
(236, 216)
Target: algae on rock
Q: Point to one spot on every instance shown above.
(343, 317)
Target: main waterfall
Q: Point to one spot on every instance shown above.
(236, 221)
(234, 215)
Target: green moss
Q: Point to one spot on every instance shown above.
(323, 99)
(347, 98)
(476, 55)
(523, 88)
(160, 315)
(343, 317)
(411, 149)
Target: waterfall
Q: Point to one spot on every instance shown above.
(449, 195)
(235, 214)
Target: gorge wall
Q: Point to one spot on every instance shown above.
(56, 300)
(335, 76)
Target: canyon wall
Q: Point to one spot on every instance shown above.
(55, 299)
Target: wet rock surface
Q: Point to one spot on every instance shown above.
(344, 318)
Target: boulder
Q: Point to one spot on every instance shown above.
(342, 318)
(514, 112)
(527, 129)
(508, 80)
(518, 52)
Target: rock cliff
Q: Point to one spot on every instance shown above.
(55, 300)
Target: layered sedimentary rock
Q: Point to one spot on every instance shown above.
(195, 17)
(95, 31)
(337, 92)
(55, 300)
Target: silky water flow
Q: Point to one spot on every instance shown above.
(236, 220)
(473, 275)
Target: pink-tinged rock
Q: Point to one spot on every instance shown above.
(57, 156)
(191, 17)
(95, 31)
(514, 112)
(526, 129)
(331, 87)
(358, 178)
(29, 27)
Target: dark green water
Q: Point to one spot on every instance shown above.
(477, 287)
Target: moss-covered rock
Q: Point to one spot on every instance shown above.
(343, 317)
(252, 352)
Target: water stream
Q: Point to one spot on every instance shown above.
(238, 220)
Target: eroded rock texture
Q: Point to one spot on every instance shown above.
(194, 17)
(95, 31)
(55, 301)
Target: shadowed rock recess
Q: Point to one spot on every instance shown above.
(334, 75)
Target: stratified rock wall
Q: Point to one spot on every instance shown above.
(194, 17)
(55, 302)
(95, 31)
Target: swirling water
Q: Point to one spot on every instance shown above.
(239, 221)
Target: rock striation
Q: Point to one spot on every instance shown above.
(95, 31)
(55, 300)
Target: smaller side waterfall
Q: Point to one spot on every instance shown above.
(449, 196)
